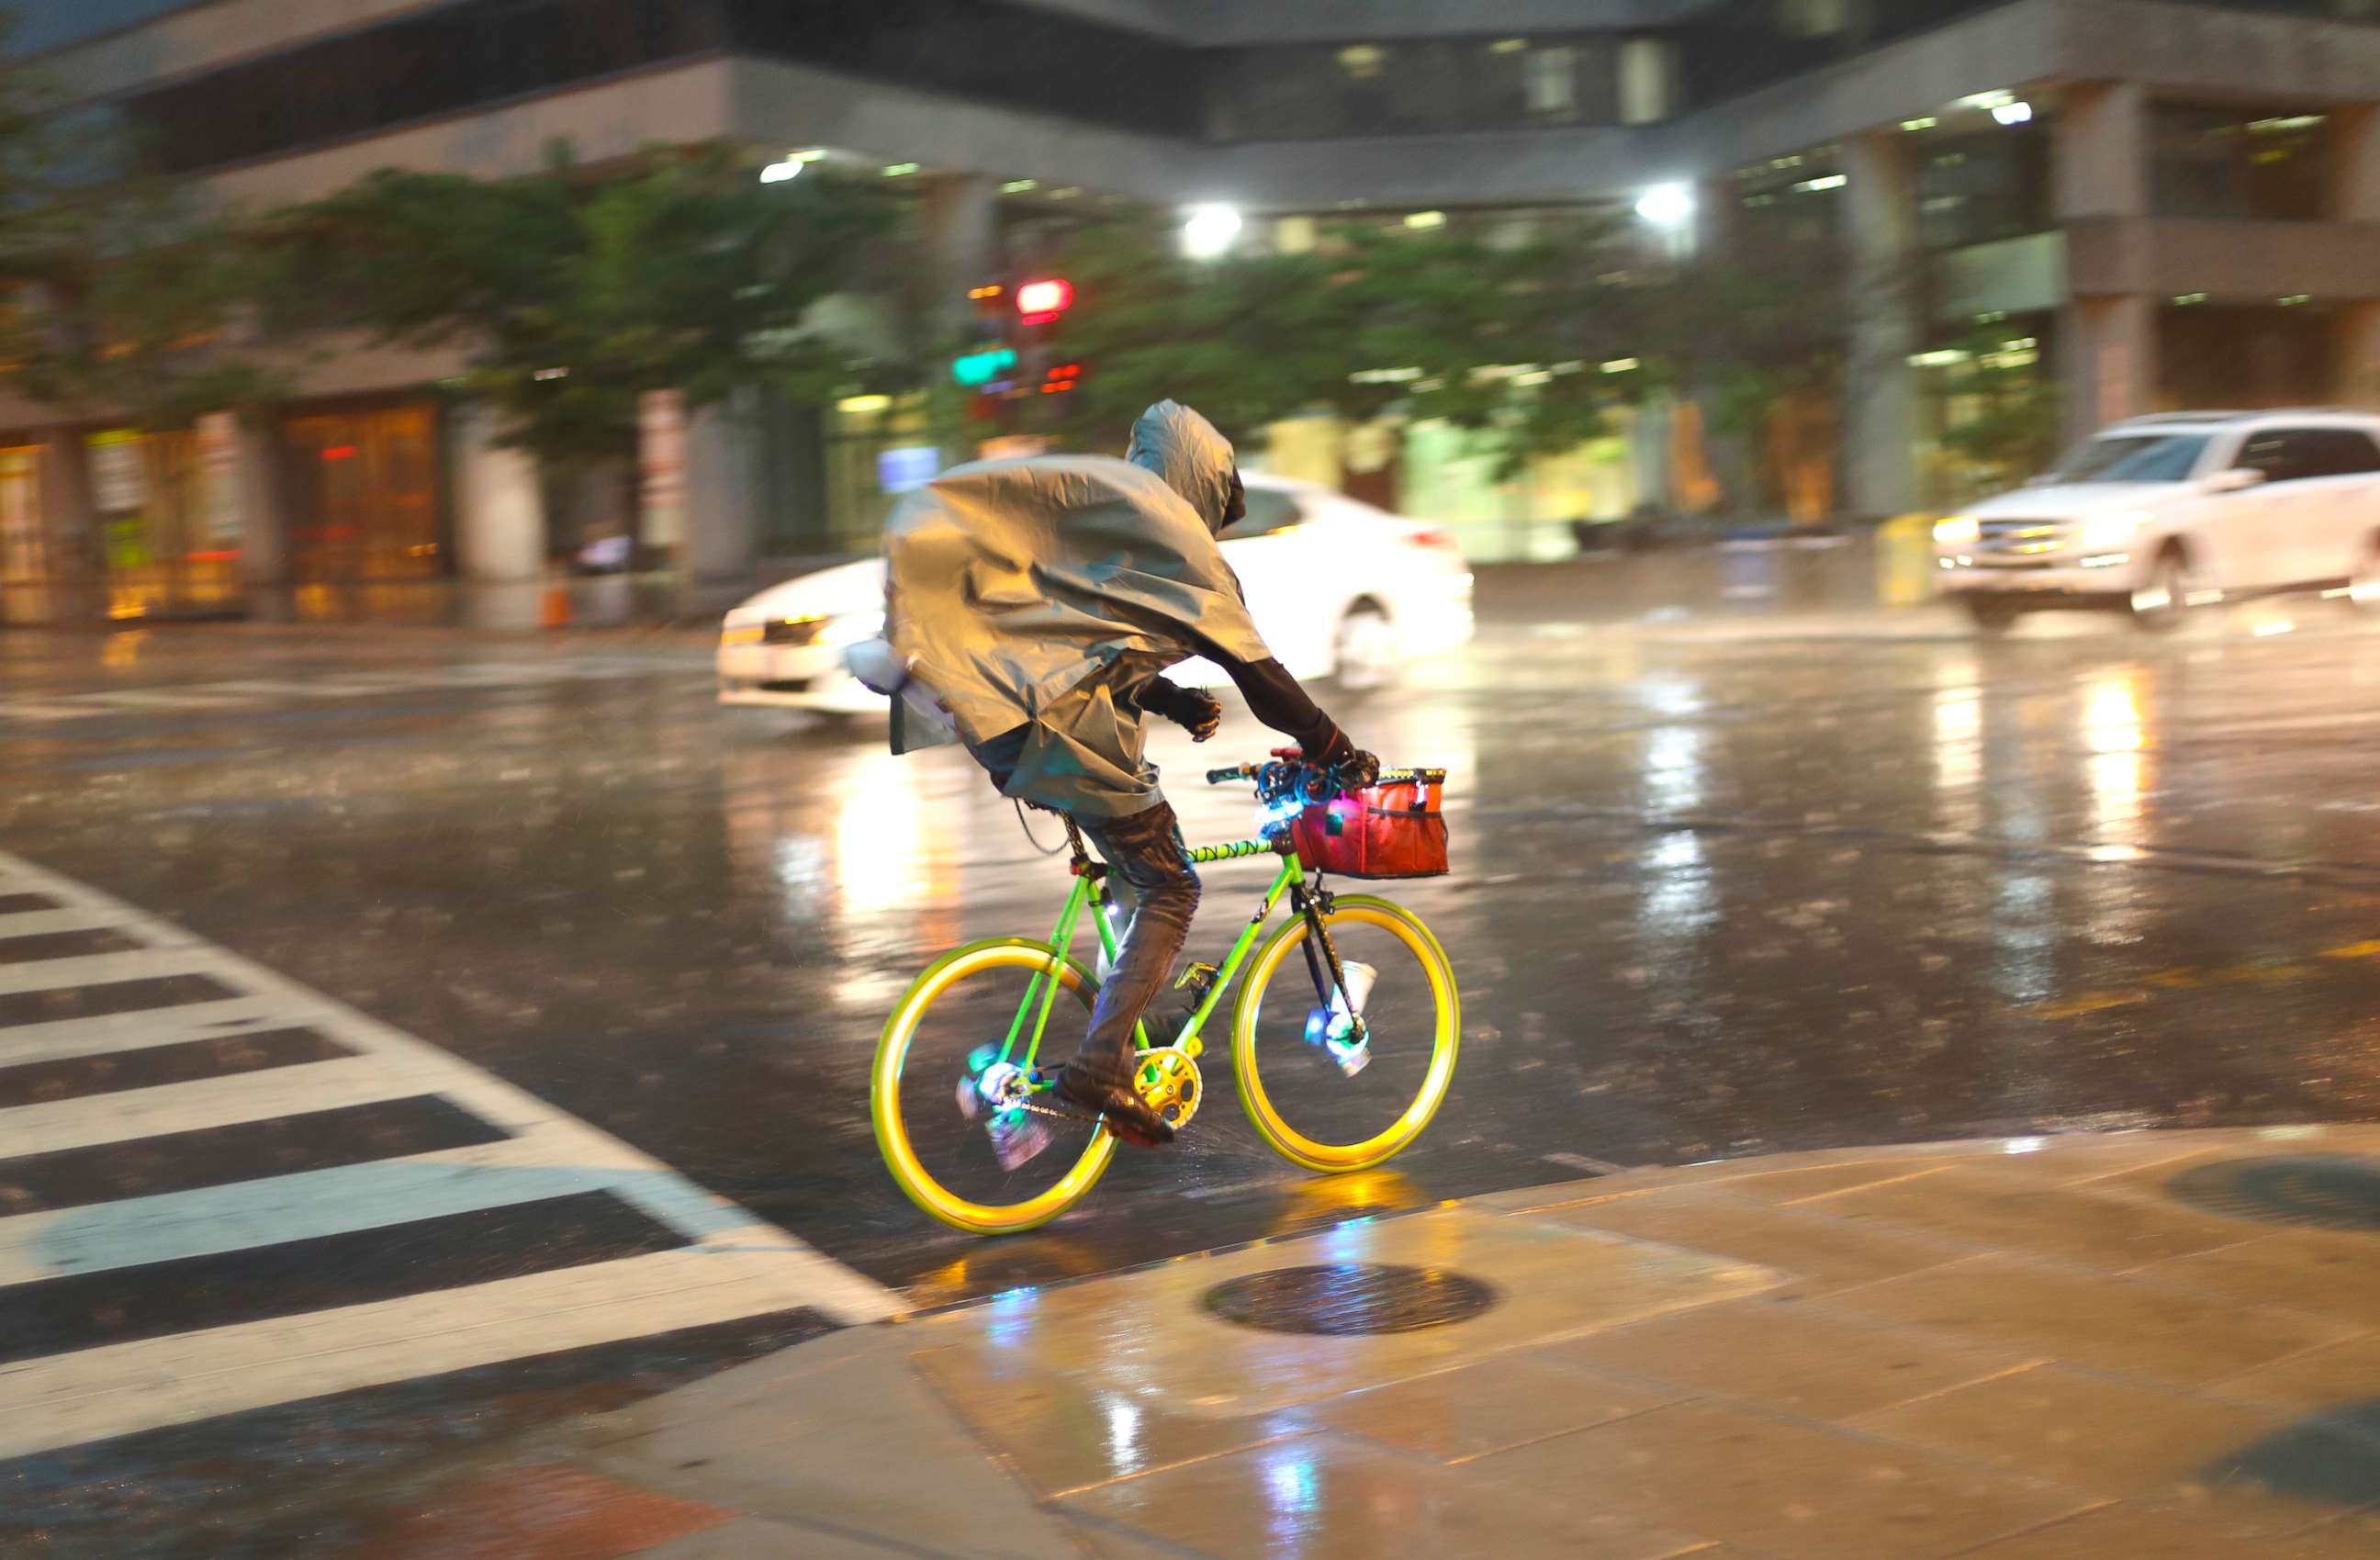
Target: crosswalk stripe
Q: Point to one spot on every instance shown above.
(243, 692)
(96, 1238)
(63, 1400)
(88, 1121)
(103, 969)
(736, 1266)
(37, 923)
(26, 709)
(63, 1039)
(156, 698)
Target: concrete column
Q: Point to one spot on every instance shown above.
(1880, 388)
(721, 500)
(262, 503)
(2355, 163)
(2102, 150)
(2358, 376)
(70, 516)
(2110, 363)
(961, 220)
(500, 505)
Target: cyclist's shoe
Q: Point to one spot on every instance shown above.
(1119, 1104)
(1016, 1136)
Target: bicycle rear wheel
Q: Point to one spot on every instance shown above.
(1294, 1089)
(933, 1047)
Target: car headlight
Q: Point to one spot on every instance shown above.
(850, 628)
(2111, 530)
(1960, 530)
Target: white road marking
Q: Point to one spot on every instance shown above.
(737, 1267)
(305, 1206)
(64, 1038)
(108, 969)
(66, 1400)
(37, 923)
(90, 1120)
(247, 692)
(23, 710)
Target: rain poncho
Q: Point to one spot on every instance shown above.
(1041, 593)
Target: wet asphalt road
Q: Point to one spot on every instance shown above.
(1720, 889)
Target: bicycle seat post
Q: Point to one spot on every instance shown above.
(1082, 865)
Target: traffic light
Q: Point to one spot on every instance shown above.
(1038, 303)
(1013, 367)
(974, 370)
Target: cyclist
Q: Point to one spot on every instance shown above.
(1040, 601)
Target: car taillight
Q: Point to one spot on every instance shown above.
(1438, 540)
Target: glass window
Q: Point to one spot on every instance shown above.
(1550, 85)
(2132, 457)
(2352, 453)
(2336, 451)
(1270, 510)
(2284, 454)
(1648, 80)
(1283, 93)
(2236, 165)
(1976, 188)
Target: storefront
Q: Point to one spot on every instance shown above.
(169, 528)
(366, 520)
(25, 583)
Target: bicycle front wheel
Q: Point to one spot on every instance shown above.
(950, 1152)
(1295, 1090)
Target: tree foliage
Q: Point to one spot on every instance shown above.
(1479, 328)
(2003, 412)
(1441, 324)
(117, 295)
(571, 293)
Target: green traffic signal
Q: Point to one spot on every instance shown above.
(975, 369)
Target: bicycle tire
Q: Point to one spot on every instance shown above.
(1447, 1031)
(892, 1139)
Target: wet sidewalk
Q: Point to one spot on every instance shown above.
(2151, 1346)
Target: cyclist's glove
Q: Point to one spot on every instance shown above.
(1194, 710)
(1356, 770)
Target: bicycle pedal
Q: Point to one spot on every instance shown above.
(1194, 982)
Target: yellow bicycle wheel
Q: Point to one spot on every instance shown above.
(941, 1146)
(1298, 1093)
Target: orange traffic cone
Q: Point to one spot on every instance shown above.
(554, 610)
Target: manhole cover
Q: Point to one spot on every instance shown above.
(2323, 1190)
(1343, 1299)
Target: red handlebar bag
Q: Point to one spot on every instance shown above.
(1390, 830)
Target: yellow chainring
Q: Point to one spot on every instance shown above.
(1167, 1079)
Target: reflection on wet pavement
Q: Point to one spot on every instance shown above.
(1714, 894)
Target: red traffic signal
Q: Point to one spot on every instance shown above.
(1038, 302)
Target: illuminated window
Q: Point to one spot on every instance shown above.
(1549, 84)
(1363, 62)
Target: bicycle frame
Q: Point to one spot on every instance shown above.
(1039, 996)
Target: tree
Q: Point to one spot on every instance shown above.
(572, 292)
(116, 295)
(1438, 323)
(2003, 414)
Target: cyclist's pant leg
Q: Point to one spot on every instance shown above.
(1146, 852)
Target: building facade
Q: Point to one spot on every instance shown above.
(2162, 204)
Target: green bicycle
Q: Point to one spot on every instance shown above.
(1335, 1078)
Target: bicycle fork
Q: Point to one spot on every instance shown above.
(1333, 990)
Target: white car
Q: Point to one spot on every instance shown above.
(1337, 589)
(2162, 514)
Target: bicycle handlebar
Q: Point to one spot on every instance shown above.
(1388, 776)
